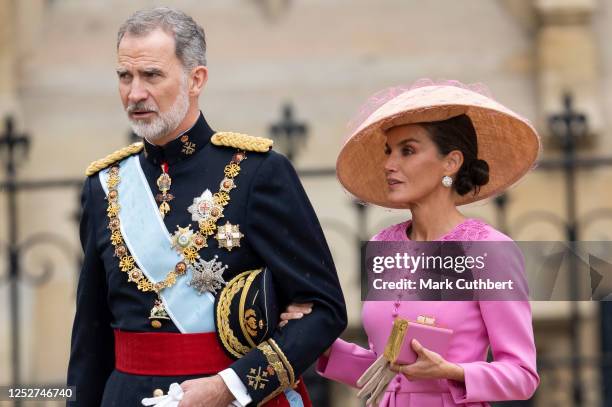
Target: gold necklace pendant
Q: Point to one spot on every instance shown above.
(158, 312)
(164, 182)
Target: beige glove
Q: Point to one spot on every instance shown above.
(375, 380)
(375, 369)
(377, 377)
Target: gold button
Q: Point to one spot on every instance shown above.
(158, 393)
(156, 324)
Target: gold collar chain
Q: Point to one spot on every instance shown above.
(186, 242)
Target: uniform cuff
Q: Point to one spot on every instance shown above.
(236, 387)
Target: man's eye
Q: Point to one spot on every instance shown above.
(151, 74)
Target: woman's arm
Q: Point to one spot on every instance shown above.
(346, 362)
(512, 375)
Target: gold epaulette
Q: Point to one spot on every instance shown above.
(242, 141)
(110, 159)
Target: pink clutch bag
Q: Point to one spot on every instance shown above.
(399, 348)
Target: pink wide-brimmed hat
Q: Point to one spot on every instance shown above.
(506, 141)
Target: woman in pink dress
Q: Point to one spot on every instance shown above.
(430, 148)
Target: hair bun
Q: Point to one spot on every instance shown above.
(471, 176)
(479, 172)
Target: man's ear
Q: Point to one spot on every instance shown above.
(197, 80)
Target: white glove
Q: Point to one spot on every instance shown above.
(172, 399)
(174, 396)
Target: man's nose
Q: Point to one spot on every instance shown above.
(137, 92)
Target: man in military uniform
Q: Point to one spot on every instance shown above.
(168, 223)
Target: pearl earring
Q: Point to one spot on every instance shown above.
(447, 181)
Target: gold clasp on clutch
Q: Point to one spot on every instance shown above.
(425, 320)
(394, 343)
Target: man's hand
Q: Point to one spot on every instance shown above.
(295, 311)
(206, 392)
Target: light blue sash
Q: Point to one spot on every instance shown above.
(150, 244)
(294, 398)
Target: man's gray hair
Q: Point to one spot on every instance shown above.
(189, 39)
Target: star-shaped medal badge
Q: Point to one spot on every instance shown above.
(182, 238)
(204, 208)
(207, 276)
(229, 236)
(185, 239)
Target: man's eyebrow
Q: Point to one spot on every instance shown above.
(153, 70)
(121, 70)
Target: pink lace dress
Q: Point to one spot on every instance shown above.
(505, 326)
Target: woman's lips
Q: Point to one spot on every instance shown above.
(393, 182)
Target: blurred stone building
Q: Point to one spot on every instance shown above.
(325, 57)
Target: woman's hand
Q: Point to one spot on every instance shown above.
(429, 365)
(295, 311)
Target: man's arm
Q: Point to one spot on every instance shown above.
(92, 352)
(284, 230)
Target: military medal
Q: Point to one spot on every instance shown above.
(163, 183)
(158, 312)
(204, 208)
(229, 236)
(185, 239)
(207, 275)
(207, 209)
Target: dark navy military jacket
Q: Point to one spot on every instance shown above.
(280, 230)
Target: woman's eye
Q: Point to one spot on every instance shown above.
(387, 151)
(407, 151)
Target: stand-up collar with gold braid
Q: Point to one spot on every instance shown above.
(181, 148)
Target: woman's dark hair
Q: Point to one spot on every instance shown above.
(458, 133)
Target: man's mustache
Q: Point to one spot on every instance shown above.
(141, 106)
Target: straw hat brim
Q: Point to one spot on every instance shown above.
(507, 142)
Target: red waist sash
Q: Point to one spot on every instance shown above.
(175, 354)
(169, 354)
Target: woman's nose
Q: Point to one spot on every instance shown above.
(390, 166)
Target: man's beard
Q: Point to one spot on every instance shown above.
(163, 123)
